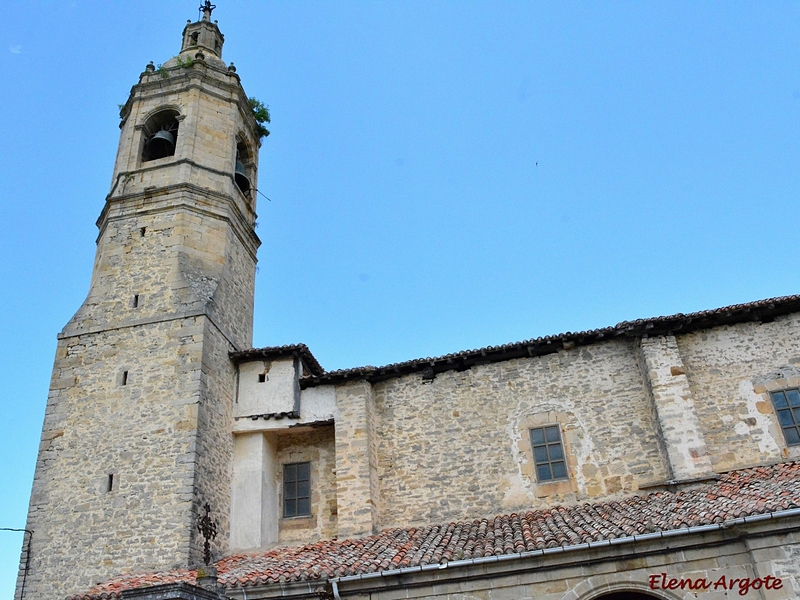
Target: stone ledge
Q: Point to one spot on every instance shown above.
(171, 591)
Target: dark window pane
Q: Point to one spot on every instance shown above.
(537, 436)
(556, 453)
(548, 453)
(296, 489)
(303, 470)
(303, 506)
(796, 413)
(792, 436)
(303, 489)
(779, 399)
(794, 397)
(785, 417)
(290, 491)
(543, 473)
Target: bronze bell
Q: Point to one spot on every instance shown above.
(241, 177)
(161, 144)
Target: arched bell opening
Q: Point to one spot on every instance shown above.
(160, 135)
(243, 169)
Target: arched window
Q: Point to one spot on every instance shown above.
(160, 135)
(244, 168)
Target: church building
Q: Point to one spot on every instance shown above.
(652, 459)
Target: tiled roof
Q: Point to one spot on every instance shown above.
(737, 494)
(761, 310)
(270, 352)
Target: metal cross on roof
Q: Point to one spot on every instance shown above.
(208, 529)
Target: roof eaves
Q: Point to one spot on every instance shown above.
(761, 310)
(273, 352)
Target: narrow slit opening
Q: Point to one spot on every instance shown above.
(124, 378)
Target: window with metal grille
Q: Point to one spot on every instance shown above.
(787, 407)
(297, 490)
(548, 453)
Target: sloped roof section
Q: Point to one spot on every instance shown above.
(273, 352)
(761, 311)
(737, 494)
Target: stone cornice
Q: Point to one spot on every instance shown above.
(169, 199)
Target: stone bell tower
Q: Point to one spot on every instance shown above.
(136, 436)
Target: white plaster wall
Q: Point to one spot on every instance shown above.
(254, 497)
(316, 404)
(275, 395)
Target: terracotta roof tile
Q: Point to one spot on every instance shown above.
(737, 494)
(272, 352)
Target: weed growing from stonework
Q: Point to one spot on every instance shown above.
(185, 63)
(261, 114)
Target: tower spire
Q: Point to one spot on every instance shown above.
(206, 9)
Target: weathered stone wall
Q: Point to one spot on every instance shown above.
(356, 460)
(142, 432)
(665, 373)
(455, 448)
(228, 299)
(214, 455)
(634, 413)
(729, 370)
(314, 445)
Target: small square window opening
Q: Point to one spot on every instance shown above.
(787, 408)
(548, 453)
(262, 377)
(297, 490)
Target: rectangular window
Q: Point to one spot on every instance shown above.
(297, 490)
(548, 453)
(787, 407)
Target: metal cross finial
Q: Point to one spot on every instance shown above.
(208, 529)
(206, 9)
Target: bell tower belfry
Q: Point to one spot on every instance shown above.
(136, 436)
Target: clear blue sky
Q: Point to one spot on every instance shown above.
(443, 175)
